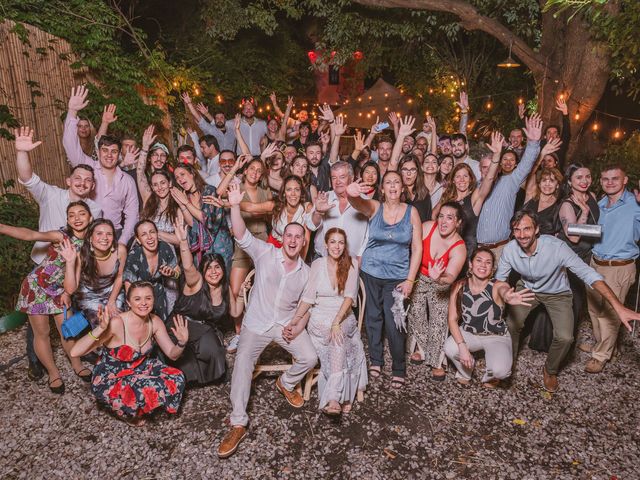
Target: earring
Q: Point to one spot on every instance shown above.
(113, 248)
(91, 247)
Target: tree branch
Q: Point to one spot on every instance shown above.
(471, 19)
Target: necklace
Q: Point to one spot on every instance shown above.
(102, 259)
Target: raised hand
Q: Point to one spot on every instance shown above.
(234, 194)
(561, 104)
(24, 139)
(268, 151)
(521, 297)
(394, 118)
(274, 98)
(131, 156)
(322, 204)
(236, 122)
(148, 137)
(109, 114)
(374, 127)
(325, 138)
(179, 196)
(431, 122)
(67, 250)
(406, 126)
(186, 98)
(463, 103)
(551, 146)
(356, 188)
(521, 109)
(358, 138)
(289, 102)
(104, 317)
(326, 113)
(202, 109)
(180, 329)
(339, 127)
(497, 141)
(181, 231)
(78, 99)
(533, 127)
(241, 161)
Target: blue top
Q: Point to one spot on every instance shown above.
(620, 228)
(388, 249)
(545, 271)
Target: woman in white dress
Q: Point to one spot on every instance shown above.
(330, 293)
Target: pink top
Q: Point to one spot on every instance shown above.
(121, 196)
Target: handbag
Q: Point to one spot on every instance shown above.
(74, 325)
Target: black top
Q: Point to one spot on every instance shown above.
(423, 206)
(198, 307)
(480, 314)
(584, 246)
(469, 225)
(548, 219)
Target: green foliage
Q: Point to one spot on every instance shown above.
(627, 155)
(15, 258)
(95, 32)
(7, 121)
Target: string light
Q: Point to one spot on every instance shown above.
(431, 91)
(595, 126)
(489, 105)
(577, 116)
(219, 98)
(197, 91)
(175, 84)
(520, 101)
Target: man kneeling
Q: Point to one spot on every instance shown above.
(279, 281)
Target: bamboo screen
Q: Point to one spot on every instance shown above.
(35, 81)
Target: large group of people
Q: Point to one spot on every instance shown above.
(454, 255)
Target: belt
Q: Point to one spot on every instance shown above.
(612, 263)
(494, 245)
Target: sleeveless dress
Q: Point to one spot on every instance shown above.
(41, 290)
(133, 383)
(427, 317)
(469, 231)
(89, 297)
(548, 219)
(257, 227)
(343, 368)
(203, 359)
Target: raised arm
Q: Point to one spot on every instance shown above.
(394, 120)
(463, 103)
(237, 222)
(276, 108)
(98, 336)
(24, 144)
(241, 161)
(141, 177)
(533, 131)
(404, 130)
(366, 206)
(28, 235)
(70, 140)
(180, 330)
(244, 148)
(186, 99)
(434, 135)
(282, 133)
(480, 194)
(338, 127)
(192, 277)
(108, 117)
(531, 186)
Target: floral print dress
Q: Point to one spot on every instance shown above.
(134, 383)
(42, 289)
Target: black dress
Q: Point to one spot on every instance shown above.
(423, 207)
(203, 360)
(469, 225)
(548, 219)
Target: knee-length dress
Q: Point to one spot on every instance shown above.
(203, 359)
(428, 314)
(133, 383)
(343, 368)
(90, 295)
(41, 290)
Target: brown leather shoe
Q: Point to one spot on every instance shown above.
(294, 398)
(594, 366)
(231, 440)
(491, 384)
(550, 381)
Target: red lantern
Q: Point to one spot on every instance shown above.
(358, 55)
(313, 56)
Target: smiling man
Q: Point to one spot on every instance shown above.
(115, 191)
(280, 279)
(542, 261)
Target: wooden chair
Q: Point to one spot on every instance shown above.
(312, 376)
(260, 367)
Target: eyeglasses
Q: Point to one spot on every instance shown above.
(409, 170)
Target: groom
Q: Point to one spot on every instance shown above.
(279, 281)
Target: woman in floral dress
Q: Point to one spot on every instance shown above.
(128, 378)
(43, 290)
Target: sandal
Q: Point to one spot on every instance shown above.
(59, 390)
(86, 377)
(438, 377)
(375, 371)
(332, 411)
(491, 384)
(416, 358)
(397, 383)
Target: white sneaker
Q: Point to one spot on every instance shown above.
(232, 346)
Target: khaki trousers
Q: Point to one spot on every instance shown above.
(604, 319)
(249, 349)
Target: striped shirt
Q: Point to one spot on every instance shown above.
(496, 213)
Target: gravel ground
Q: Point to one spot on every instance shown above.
(589, 429)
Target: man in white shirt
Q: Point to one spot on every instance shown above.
(251, 128)
(340, 214)
(279, 281)
(227, 160)
(52, 202)
(211, 154)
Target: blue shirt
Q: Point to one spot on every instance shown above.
(545, 271)
(620, 229)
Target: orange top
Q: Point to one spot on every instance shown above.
(427, 261)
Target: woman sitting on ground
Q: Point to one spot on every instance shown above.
(206, 305)
(476, 321)
(42, 291)
(96, 278)
(154, 261)
(333, 328)
(128, 378)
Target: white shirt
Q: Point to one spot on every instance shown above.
(214, 179)
(53, 202)
(251, 134)
(211, 166)
(276, 293)
(475, 167)
(354, 223)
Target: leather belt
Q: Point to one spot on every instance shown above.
(612, 263)
(494, 245)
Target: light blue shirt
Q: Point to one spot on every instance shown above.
(620, 229)
(545, 271)
(226, 139)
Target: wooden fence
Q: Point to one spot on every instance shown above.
(35, 81)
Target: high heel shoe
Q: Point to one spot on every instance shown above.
(59, 390)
